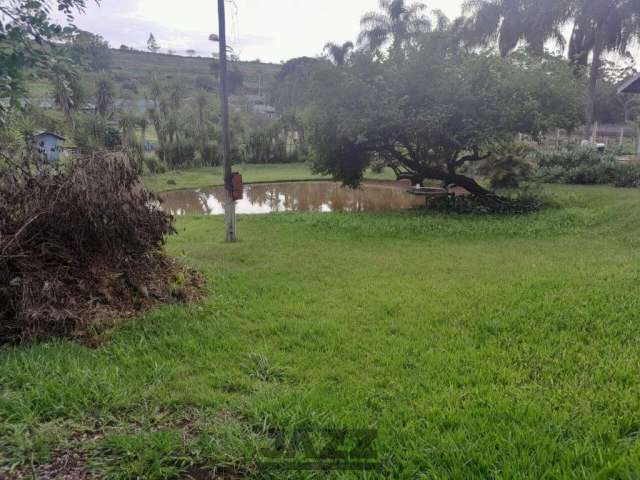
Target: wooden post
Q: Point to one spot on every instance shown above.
(621, 136)
(230, 204)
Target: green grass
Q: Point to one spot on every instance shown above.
(203, 177)
(477, 347)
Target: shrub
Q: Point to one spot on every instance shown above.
(598, 174)
(572, 158)
(627, 175)
(178, 155)
(523, 201)
(209, 154)
(507, 166)
(154, 164)
(78, 245)
(581, 166)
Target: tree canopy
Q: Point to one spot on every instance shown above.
(398, 24)
(598, 27)
(152, 44)
(27, 36)
(338, 54)
(428, 114)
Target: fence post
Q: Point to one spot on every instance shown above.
(621, 135)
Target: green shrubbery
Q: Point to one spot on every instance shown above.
(585, 166)
(627, 175)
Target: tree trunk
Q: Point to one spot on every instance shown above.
(596, 64)
(468, 183)
(448, 178)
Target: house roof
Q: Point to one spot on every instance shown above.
(631, 86)
(49, 134)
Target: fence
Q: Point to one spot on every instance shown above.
(620, 139)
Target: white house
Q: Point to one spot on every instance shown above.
(49, 145)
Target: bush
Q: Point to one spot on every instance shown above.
(154, 164)
(209, 154)
(572, 158)
(522, 201)
(78, 245)
(627, 176)
(598, 174)
(581, 166)
(178, 155)
(507, 166)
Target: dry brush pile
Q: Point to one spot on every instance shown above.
(81, 245)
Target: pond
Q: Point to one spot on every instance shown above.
(294, 197)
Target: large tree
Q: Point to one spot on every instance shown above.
(398, 24)
(152, 44)
(509, 23)
(105, 96)
(599, 27)
(430, 113)
(290, 89)
(28, 40)
(338, 54)
(90, 49)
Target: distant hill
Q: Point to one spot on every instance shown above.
(132, 71)
(140, 66)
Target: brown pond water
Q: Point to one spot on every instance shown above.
(294, 197)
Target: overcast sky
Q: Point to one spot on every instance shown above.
(271, 30)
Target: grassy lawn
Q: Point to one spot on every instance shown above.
(475, 347)
(203, 177)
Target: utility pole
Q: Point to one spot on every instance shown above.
(230, 204)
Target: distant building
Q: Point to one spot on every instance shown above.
(254, 104)
(267, 110)
(49, 145)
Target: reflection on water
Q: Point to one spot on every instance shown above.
(294, 197)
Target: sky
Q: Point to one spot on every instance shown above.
(269, 30)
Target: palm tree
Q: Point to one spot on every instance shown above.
(127, 124)
(104, 96)
(143, 123)
(398, 24)
(600, 27)
(510, 22)
(68, 93)
(338, 54)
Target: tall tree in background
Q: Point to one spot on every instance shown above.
(398, 24)
(68, 92)
(104, 97)
(91, 50)
(508, 23)
(152, 44)
(28, 38)
(601, 27)
(338, 54)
